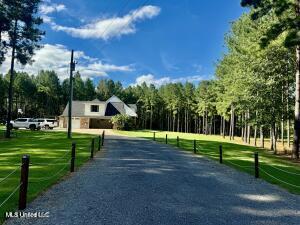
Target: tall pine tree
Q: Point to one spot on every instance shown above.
(24, 36)
(288, 14)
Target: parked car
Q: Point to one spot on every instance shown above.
(27, 123)
(47, 123)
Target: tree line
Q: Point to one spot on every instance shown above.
(45, 95)
(255, 93)
(256, 89)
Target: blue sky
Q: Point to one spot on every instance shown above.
(155, 41)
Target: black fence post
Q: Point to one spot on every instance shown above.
(221, 153)
(153, 136)
(73, 157)
(24, 182)
(166, 139)
(177, 141)
(256, 165)
(92, 148)
(103, 134)
(195, 148)
(99, 143)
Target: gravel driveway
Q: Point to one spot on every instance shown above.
(135, 181)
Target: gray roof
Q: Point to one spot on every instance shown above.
(133, 106)
(120, 106)
(77, 108)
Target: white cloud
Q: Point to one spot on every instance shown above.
(57, 58)
(167, 62)
(111, 27)
(47, 19)
(150, 79)
(198, 67)
(49, 8)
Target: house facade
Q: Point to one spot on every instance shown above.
(96, 114)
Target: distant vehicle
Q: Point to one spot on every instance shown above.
(47, 123)
(27, 123)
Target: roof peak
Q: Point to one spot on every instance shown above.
(114, 99)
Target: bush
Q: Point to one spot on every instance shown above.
(122, 122)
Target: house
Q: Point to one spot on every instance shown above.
(96, 114)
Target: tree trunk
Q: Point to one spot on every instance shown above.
(288, 133)
(174, 118)
(195, 124)
(262, 139)
(288, 114)
(199, 125)
(295, 153)
(167, 121)
(255, 135)
(185, 120)
(11, 81)
(245, 129)
(271, 139)
(151, 116)
(282, 133)
(206, 123)
(210, 126)
(249, 129)
(178, 121)
(230, 125)
(214, 125)
(274, 133)
(224, 126)
(221, 125)
(233, 123)
(242, 125)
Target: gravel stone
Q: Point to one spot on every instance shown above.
(136, 181)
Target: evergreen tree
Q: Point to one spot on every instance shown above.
(24, 36)
(89, 90)
(287, 13)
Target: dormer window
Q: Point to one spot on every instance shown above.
(94, 108)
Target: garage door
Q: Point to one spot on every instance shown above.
(75, 123)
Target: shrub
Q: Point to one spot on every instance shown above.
(122, 122)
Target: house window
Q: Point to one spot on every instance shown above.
(94, 108)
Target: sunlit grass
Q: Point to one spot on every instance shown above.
(233, 153)
(49, 153)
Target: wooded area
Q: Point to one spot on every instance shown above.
(252, 94)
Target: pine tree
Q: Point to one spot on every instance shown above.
(288, 15)
(24, 36)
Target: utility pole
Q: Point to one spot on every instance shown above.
(72, 68)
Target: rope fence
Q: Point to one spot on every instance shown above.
(10, 174)
(25, 166)
(275, 178)
(255, 168)
(282, 170)
(36, 180)
(11, 194)
(235, 164)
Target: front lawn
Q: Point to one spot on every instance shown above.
(49, 153)
(274, 169)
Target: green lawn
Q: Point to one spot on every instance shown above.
(50, 154)
(235, 155)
